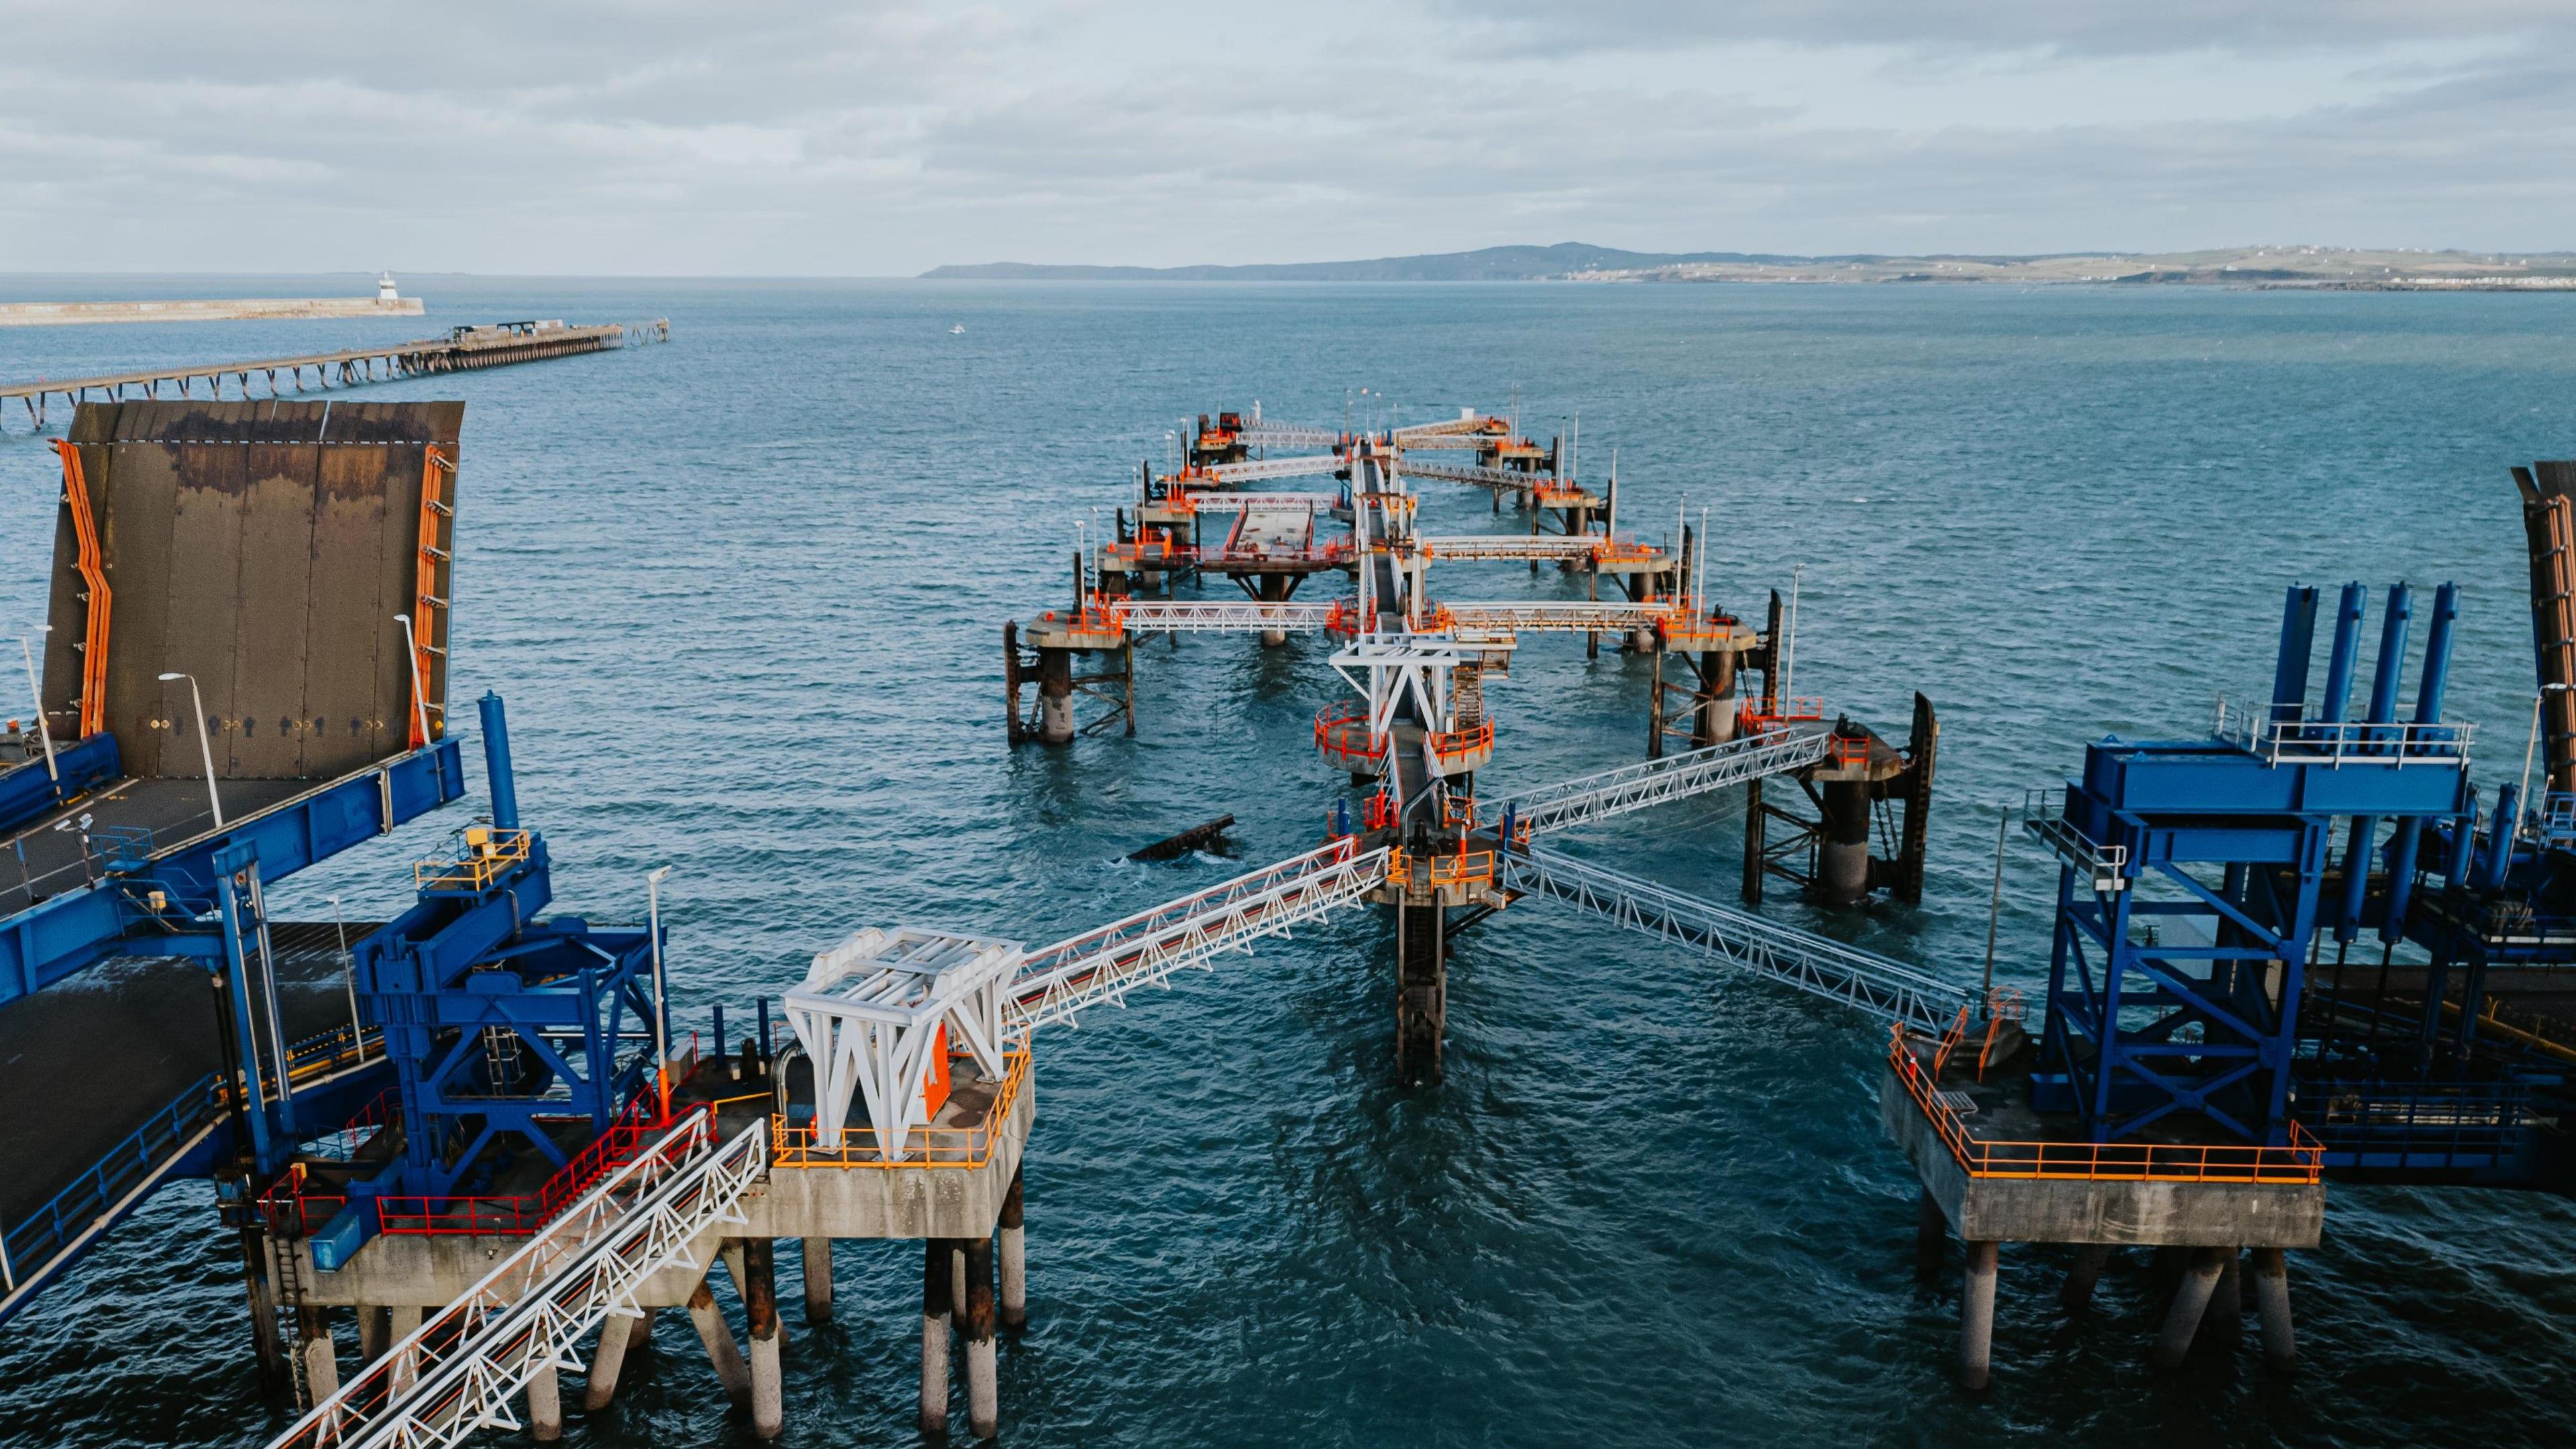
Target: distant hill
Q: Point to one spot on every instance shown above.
(2267, 266)
(1491, 264)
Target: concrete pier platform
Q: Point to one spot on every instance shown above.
(2186, 1194)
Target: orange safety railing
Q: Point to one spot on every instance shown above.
(1454, 744)
(1344, 618)
(1335, 729)
(2300, 1163)
(1848, 752)
(426, 599)
(972, 1146)
(1101, 614)
(1465, 867)
(93, 573)
(1751, 720)
(1458, 812)
(1380, 813)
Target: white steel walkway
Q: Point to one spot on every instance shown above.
(1869, 983)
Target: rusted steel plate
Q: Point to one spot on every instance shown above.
(265, 548)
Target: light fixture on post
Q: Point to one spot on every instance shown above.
(205, 748)
(661, 1008)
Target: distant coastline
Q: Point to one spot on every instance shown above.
(2314, 268)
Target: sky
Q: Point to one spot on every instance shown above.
(757, 138)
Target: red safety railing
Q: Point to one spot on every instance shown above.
(2300, 1163)
(1342, 735)
(1449, 745)
(1380, 813)
(522, 1213)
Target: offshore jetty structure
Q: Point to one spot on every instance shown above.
(501, 1163)
(1419, 729)
(463, 349)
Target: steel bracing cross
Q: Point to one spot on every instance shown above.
(458, 1372)
(1099, 966)
(1872, 984)
(877, 1012)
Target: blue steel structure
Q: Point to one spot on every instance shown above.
(2153, 1028)
(507, 1034)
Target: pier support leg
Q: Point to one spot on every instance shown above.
(1842, 867)
(2082, 1274)
(373, 1334)
(1421, 990)
(1014, 1237)
(2226, 1315)
(607, 1361)
(2190, 1304)
(545, 1406)
(321, 1359)
(1977, 1315)
(935, 1255)
(2272, 1304)
(818, 1280)
(1055, 696)
(983, 1384)
(760, 1309)
(1717, 709)
(957, 1280)
(722, 1351)
(265, 1339)
(1931, 1237)
(404, 1321)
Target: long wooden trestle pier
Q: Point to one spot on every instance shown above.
(463, 349)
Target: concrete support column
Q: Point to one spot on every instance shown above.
(1717, 716)
(374, 1332)
(2272, 1304)
(983, 1385)
(2226, 1315)
(722, 1351)
(957, 1280)
(1842, 865)
(321, 1361)
(818, 1280)
(2082, 1274)
(1273, 588)
(1055, 696)
(545, 1406)
(1931, 1236)
(935, 1256)
(1977, 1315)
(2190, 1303)
(616, 1337)
(1014, 1235)
(403, 1321)
(760, 1310)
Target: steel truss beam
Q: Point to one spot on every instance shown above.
(1099, 966)
(529, 1313)
(1674, 777)
(1260, 469)
(1222, 618)
(1874, 985)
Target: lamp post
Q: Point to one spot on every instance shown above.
(419, 686)
(205, 749)
(2522, 792)
(36, 692)
(661, 1009)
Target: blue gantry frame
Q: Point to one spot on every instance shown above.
(2145, 1021)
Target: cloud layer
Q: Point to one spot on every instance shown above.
(883, 139)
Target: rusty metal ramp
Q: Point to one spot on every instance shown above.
(267, 549)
